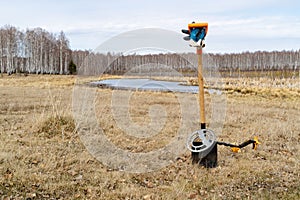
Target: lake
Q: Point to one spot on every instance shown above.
(149, 85)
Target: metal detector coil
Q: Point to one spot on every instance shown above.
(201, 141)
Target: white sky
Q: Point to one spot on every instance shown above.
(234, 25)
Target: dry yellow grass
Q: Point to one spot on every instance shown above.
(42, 157)
(265, 87)
(42, 81)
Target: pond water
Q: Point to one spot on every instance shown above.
(150, 85)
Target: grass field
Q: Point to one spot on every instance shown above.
(42, 156)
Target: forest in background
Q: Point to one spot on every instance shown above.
(37, 51)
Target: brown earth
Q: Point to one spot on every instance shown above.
(42, 156)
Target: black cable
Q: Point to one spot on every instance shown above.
(238, 146)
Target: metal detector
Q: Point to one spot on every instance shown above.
(202, 143)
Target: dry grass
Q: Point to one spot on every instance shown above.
(42, 156)
(44, 81)
(55, 125)
(264, 87)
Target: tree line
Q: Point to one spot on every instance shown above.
(283, 63)
(41, 52)
(260, 63)
(33, 51)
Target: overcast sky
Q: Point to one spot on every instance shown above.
(234, 25)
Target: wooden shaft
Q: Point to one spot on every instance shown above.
(201, 87)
